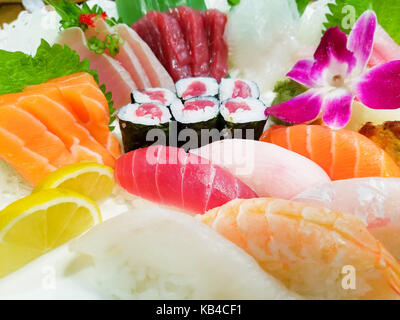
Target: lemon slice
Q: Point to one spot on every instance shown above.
(91, 179)
(38, 223)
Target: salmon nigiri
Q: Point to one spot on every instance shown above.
(343, 154)
(172, 177)
(318, 253)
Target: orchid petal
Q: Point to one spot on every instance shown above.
(361, 39)
(303, 108)
(336, 109)
(301, 72)
(379, 88)
(331, 53)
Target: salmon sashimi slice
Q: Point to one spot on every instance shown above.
(192, 24)
(48, 108)
(85, 100)
(155, 71)
(111, 73)
(34, 135)
(30, 165)
(172, 177)
(306, 247)
(126, 56)
(343, 154)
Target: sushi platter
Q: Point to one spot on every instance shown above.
(200, 150)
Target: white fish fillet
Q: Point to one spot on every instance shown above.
(160, 254)
(271, 171)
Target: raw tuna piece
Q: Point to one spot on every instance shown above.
(111, 73)
(215, 22)
(172, 177)
(192, 25)
(177, 56)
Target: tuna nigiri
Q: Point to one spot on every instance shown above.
(172, 177)
(271, 171)
(343, 154)
(313, 251)
(375, 201)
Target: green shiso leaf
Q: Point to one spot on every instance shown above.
(346, 12)
(286, 90)
(19, 70)
(131, 11)
(302, 5)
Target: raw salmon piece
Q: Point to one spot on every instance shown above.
(172, 177)
(126, 56)
(85, 100)
(29, 164)
(34, 135)
(307, 247)
(111, 73)
(158, 76)
(343, 154)
(192, 24)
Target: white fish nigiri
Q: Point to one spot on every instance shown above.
(271, 171)
(160, 254)
(375, 201)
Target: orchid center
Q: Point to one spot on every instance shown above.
(337, 81)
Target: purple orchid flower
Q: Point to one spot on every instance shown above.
(337, 74)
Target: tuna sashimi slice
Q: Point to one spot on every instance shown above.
(192, 25)
(215, 22)
(172, 177)
(173, 45)
(111, 73)
(158, 76)
(126, 56)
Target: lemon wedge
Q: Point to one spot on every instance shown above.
(91, 179)
(38, 223)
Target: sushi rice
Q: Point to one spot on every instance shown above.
(255, 111)
(154, 95)
(197, 87)
(228, 89)
(183, 115)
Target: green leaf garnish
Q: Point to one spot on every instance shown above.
(111, 43)
(19, 70)
(302, 5)
(346, 12)
(131, 11)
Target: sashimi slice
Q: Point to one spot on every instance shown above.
(111, 73)
(172, 177)
(48, 108)
(29, 164)
(271, 171)
(375, 201)
(34, 135)
(343, 154)
(85, 100)
(174, 48)
(192, 25)
(126, 56)
(158, 76)
(385, 48)
(215, 22)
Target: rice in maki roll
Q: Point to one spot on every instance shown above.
(153, 95)
(197, 87)
(244, 117)
(238, 88)
(196, 114)
(136, 120)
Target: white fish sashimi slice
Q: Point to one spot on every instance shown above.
(111, 73)
(126, 57)
(141, 255)
(376, 201)
(271, 171)
(158, 76)
(385, 48)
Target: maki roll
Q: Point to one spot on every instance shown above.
(196, 114)
(197, 87)
(136, 121)
(238, 88)
(153, 95)
(243, 115)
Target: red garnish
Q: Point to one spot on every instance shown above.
(87, 19)
(104, 15)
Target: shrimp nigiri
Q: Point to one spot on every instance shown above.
(316, 252)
